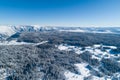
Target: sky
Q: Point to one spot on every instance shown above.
(83, 13)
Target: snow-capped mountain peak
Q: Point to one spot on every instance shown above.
(6, 30)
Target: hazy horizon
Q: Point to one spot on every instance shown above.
(51, 25)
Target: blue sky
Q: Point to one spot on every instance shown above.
(60, 12)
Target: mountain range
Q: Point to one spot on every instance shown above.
(9, 30)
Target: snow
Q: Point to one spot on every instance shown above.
(81, 68)
(66, 47)
(43, 42)
(70, 48)
(112, 47)
(7, 30)
(84, 73)
(96, 45)
(98, 78)
(98, 54)
(100, 45)
(14, 42)
(78, 51)
(88, 31)
(77, 30)
(71, 76)
(62, 47)
(95, 50)
(36, 27)
(95, 57)
(107, 31)
(3, 74)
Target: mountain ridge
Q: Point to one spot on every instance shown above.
(9, 30)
